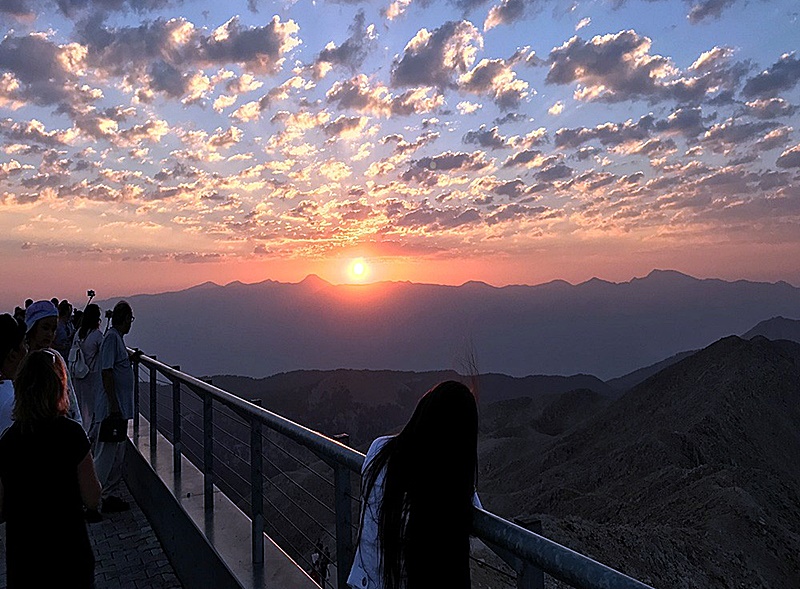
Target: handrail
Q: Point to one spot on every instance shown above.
(521, 548)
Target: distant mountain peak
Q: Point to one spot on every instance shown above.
(477, 284)
(596, 281)
(312, 280)
(658, 273)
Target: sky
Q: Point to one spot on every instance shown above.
(150, 145)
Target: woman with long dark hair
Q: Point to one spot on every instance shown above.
(89, 338)
(46, 477)
(418, 490)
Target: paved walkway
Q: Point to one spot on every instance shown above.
(126, 550)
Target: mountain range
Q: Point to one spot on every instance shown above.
(597, 327)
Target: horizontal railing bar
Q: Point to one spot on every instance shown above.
(313, 440)
(556, 560)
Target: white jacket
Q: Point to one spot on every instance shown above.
(366, 571)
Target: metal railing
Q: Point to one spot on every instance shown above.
(528, 554)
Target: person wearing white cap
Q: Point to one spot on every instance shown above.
(41, 319)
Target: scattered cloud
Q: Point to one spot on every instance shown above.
(507, 12)
(781, 76)
(357, 94)
(496, 79)
(434, 58)
(351, 53)
(789, 158)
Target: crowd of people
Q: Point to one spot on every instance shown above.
(66, 394)
(63, 381)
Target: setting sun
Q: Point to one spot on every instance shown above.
(358, 269)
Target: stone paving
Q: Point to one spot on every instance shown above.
(127, 553)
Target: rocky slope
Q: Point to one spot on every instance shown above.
(688, 480)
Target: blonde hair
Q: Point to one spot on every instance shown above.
(40, 389)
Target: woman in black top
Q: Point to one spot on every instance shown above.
(46, 477)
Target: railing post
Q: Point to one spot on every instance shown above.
(528, 575)
(256, 491)
(177, 446)
(208, 451)
(153, 408)
(344, 522)
(136, 396)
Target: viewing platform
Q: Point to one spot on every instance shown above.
(226, 494)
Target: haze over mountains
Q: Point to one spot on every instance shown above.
(597, 327)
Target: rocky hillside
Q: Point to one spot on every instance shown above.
(690, 479)
(370, 403)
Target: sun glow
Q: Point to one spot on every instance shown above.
(358, 269)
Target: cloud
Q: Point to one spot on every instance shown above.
(495, 78)
(403, 147)
(396, 9)
(512, 189)
(607, 133)
(164, 55)
(532, 139)
(554, 172)
(618, 67)
(770, 108)
(425, 170)
(514, 212)
(775, 138)
(251, 111)
(44, 73)
(686, 121)
(351, 53)
(781, 76)
(357, 94)
(732, 133)
(708, 9)
(584, 22)
(424, 216)
(507, 12)
(467, 108)
(529, 158)
(789, 158)
(27, 9)
(435, 58)
(346, 127)
(556, 109)
(487, 138)
(34, 131)
(512, 117)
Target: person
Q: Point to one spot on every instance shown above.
(418, 490)
(46, 477)
(114, 400)
(64, 329)
(12, 350)
(324, 563)
(41, 319)
(89, 338)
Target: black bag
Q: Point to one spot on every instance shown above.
(113, 429)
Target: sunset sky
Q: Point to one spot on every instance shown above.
(151, 145)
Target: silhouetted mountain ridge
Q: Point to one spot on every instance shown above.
(776, 328)
(596, 327)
